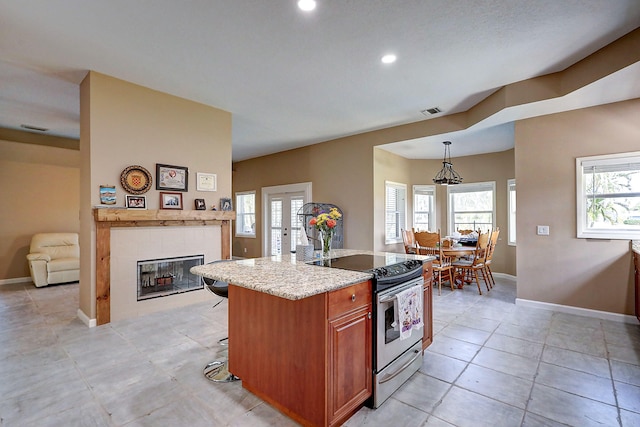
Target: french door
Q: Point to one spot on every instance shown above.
(284, 222)
(280, 206)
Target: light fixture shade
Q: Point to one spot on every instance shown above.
(447, 175)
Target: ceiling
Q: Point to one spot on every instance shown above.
(293, 78)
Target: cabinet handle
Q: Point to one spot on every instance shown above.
(353, 298)
(369, 315)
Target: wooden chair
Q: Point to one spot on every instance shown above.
(493, 240)
(465, 232)
(429, 244)
(468, 269)
(409, 240)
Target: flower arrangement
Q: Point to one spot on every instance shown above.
(325, 223)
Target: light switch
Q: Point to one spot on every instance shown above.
(543, 230)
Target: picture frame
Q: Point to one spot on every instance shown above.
(108, 194)
(206, 181)
(170, 177)
(225, 204)
(136, 202)
(200, 204)
(170, 200)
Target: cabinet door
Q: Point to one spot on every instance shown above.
(427, 306)
(350, 374)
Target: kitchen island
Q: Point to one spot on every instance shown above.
(300, 336)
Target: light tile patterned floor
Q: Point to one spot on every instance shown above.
(491, 364)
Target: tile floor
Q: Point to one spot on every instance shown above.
(492, 363)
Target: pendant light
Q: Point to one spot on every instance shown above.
(447, 176)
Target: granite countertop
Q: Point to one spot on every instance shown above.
(283, 276)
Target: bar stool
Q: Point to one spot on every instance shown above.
(218, 370)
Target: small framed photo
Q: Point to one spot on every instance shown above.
(206, 181)
(175, 178)
(170, 200)
(108, 194)
(225, 204)
(200, 205)
(136, 202)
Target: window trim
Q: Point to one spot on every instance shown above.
(473, 186)
(511, 183)
(582, 231)
(417, 188)
(403, 214)
(238, 213)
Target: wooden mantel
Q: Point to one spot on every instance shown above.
(106, 218)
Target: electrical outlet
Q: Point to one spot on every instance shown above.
(245, 250)
(543, 230)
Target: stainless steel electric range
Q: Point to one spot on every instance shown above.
(394, 359)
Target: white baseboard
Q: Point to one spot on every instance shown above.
(604, 315)
(16, 280)
(506, 276)
(86, 320)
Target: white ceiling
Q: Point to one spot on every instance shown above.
(292, 78)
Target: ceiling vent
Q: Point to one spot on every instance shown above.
(36, 128)
(429, 111)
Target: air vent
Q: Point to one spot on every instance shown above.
(36, 128)
(434, 110)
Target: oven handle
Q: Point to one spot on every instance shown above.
(389, 377)
(387, 298)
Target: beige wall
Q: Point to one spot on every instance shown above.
(560, 268)
(124, 124)
(331, 166)
(40, 194)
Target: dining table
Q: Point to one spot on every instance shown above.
(457, 252)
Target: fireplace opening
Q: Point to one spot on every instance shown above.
(168, 276)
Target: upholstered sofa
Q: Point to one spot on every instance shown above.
(54, 258)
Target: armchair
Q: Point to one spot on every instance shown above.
(54, 258)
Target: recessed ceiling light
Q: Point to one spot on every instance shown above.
(307, 5)
(388, 59)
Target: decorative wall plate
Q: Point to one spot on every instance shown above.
(136, 179)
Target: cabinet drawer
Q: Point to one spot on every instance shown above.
(346, 299)
(427, 271)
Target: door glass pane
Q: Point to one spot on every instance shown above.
(276, 227)
(296, 223)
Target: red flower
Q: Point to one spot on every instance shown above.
(331, 223)
(313, 221)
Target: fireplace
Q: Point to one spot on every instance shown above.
(168, 276)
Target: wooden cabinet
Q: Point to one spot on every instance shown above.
(309, 358)
(350, 372)
(427, 305)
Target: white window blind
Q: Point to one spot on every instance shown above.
(511, 191)
(424, 201)
(471, 206)
(246, 214)
(395, 209)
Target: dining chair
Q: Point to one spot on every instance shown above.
(429, 244)
(468, 269)
(493, 240)
(409, 240)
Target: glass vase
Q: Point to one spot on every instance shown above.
(325, 237)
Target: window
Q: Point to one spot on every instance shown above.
(608, 196)
(395, 208)
(424, 201)
(246, 214)
(471, 206)
(511, 191)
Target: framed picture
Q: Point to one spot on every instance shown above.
(200, 205)
(108, 194)
(206, 181)
(170, 177)
(170, 200)
(225, 204)
(136, 202)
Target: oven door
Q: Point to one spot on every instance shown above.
(389, 346)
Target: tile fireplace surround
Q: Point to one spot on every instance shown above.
(145, 223)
